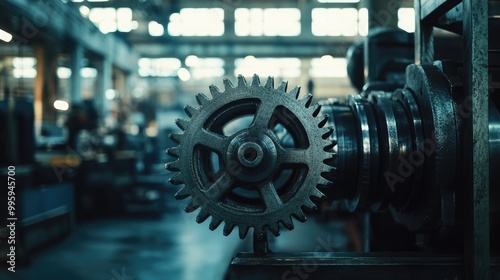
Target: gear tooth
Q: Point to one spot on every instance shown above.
(324, 182)
(287, 223)
(318, 194)
(255, 80)
(173, 152)
(182, 124)
(228, 86)
(300, 216)
(329, 146)
(242, 230)
(228, 228)
(173, 166)
(283, 86)
(274, 229)
(270, 82)
(176, 180)
(192, 205)
(242, 83)
(176, 137)
(214, 90)
(190, 110)
(202, 216)
(327, 132)
(310, 205)
(329, 161)
(323, 121)
(316, 109)
(214, 223)
(306, 100)
(295, 92)
(202, 99)
(182, 193)
(328, 176)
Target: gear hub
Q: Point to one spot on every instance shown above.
(252, 156)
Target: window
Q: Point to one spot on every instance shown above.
(363, 21)
(328, 67)
(63, 72)
(24, 67)
(155, 29)
(406, 19)
(124, 20)
(267, 22)
(88, 72)
(159, 67)
(338, 1)
(197, 22)
(205, 67)
(334, 22)
(278, 67)
(111, 19)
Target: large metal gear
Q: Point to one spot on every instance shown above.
(252, 156)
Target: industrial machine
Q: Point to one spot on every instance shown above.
(255, 155)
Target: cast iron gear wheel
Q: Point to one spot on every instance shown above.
(258, 174)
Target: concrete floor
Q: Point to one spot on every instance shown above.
(171, 247)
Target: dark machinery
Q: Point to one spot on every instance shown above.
(427, 153)
(252, 177)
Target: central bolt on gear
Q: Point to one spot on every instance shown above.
(252, 156)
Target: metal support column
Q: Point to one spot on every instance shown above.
(229, 20)
(76, 78)
(382, 13)
(45, 82)
(477, 239)
(229, 67)
(306, 8)
(104, 82)
(424, 39)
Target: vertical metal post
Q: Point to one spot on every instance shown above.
(45, 82)
(366, 232)
(306, 19)
(424, 38)
(104, 82)
(260, 243)
(382, 13)
(76, 78)
(477, 239)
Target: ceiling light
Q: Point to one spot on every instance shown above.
(183, 74)
(84, 10)
(5, 36)
(155, 29)
(61, 105)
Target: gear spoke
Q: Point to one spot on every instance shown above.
(270, 196)
(293, 156)
(212, 140)
(220, 186)
(263, 116)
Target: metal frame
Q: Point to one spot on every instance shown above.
(327, 265)
(472, 18)
(474, 23)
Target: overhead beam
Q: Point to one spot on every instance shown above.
(433, 9)
(241, 50)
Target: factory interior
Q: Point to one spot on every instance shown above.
(232, 139)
